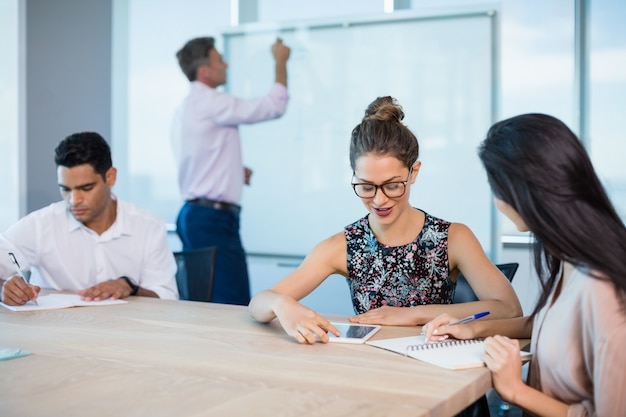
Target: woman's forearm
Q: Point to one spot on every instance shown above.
(260, 307)
(516, 328)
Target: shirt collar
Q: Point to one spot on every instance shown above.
(198, 85)
(119, 227)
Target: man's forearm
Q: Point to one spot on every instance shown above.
(142, 292)
(281, 72)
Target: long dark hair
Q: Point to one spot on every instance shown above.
(537, 165)
(382, 132)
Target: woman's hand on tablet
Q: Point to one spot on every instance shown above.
(302, 323)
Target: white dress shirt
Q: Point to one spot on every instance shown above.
(63, 254)
(206, 143)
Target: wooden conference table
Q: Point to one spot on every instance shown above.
(155, 357)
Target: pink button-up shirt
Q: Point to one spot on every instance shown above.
(206, 143)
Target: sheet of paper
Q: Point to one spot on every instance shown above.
(56, 301)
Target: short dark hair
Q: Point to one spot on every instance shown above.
(84, 148)
(382, 132)
(193, 54)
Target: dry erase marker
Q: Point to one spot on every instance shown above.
(470, 318)
(19, 271)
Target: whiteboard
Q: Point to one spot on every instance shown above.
(440, 68)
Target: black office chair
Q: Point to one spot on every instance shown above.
(463, 293)
(194, 276)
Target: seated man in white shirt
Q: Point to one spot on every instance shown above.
(92, 242)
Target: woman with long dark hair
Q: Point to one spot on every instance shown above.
(543, 180)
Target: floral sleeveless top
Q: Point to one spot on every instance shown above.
(401, 276)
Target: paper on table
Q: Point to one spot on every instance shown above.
(56, 301)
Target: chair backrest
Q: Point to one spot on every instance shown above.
(194, 276)
(463, 292)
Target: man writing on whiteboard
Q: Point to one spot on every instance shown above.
(207, 147)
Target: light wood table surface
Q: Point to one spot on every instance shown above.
(155, 357)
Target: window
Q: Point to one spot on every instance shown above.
(607, 100)
(537, 74)
(147, 87)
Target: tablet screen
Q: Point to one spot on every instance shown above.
(353, 333)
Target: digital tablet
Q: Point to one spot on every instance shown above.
(353, 333)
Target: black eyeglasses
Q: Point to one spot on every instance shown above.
(393, 189)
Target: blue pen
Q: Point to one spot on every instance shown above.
(470, 318)
(19, 271)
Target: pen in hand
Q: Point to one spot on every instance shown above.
(469, 318)
(461, 321)
(19, 271)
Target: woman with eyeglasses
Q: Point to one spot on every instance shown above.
(400, 262)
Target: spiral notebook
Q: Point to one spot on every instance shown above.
(450, 354)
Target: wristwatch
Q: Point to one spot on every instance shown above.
(133, 287)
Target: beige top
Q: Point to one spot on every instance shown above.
(579, 348)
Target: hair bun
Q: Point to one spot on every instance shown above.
(384, 109)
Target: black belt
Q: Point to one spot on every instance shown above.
(217, 205)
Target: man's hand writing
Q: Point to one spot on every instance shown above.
(280, 51)
(15, 292)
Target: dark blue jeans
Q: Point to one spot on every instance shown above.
(200, 227)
